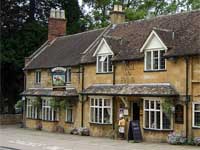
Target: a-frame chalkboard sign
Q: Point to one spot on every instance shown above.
(134, 131)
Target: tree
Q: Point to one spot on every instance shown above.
(73, 15)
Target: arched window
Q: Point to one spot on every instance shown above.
(179, 114)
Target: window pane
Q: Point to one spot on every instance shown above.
(92, 102)
(107, 115)
(158, 105)
(197, 119)
(166, 122)
(100, 102)
(96, 102)
(147, 119)
(100, 115)
(105, 65)
(99, 64)
(158, 120)
(148, 60)
(106, 102)
(152, 104)
(69, 114)
(162, 60)
(197, 107)
(155, 59)
(96, 114)
(152, 123)
(92, 114)
(146, 104)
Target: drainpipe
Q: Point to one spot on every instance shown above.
(82, 88)
(113, 99)
(187, 92)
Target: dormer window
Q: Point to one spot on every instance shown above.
(104, 64)
(103, 55)
(154, 49)
(154, 60)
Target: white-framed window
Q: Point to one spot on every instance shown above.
(101, 110)
(154, 117)
(69, 114)
(196, 114)
(48, 113)
(154, 60)
(31, 111)
(104, 64)
(68, 75)
(37, 76)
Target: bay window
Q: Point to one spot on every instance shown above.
(154, 117)
(154, 60)
(101, 110)
(196, 114)
(31, 111)
(104, 64)
(49, 113)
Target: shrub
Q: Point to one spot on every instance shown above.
(197, 141)
(175, 138)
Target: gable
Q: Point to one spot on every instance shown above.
(103, 48)
(153, 42)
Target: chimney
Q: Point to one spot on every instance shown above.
(117, 15)
(57, 24)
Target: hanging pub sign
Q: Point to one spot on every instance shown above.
(58, 76)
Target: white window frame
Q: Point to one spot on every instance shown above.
(72, 109)
(38, 75)
(68, 75)
(193, 114)
(31, 111)
(102, 109)
(152, 60)
(48, 113)
(154, 110)
(102, 65)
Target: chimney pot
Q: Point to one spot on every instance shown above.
(117, 15)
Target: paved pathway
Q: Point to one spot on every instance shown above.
(15, 138)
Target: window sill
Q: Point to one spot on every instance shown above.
(33, 118)
(69, 122)
(93, 123)
(104, 73)
(195, 127)
(50, 121)
(162, 70)
(158, 130)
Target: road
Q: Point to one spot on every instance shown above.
(15, 138)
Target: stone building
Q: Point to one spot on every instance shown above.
(148, 70)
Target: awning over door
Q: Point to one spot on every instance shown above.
(149, 89)
(50, 92)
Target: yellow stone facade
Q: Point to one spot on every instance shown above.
(125, 73)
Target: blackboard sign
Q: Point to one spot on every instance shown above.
(134, 132)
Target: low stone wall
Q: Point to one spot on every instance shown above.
(6, 119)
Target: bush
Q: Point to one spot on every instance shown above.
(81, 131)
(175, 138)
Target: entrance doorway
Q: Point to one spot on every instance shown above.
(136, 111)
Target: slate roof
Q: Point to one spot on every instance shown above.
(180, 32)
(48, 92)
(64, 51)
(151, 89)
